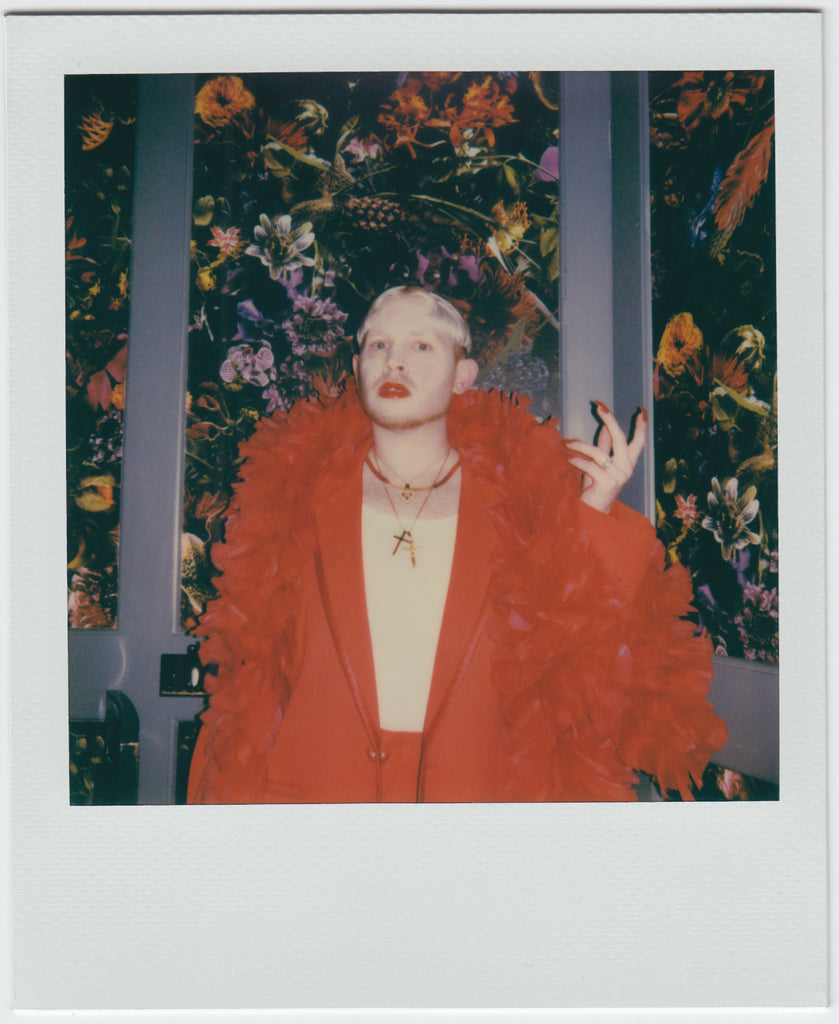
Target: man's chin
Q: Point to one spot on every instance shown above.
(406, 422)
(390, 415)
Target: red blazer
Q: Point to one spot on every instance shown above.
(329, 746)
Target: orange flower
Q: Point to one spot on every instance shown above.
(210, 506)
(743, 179)
(680, 347)
(289, 132)
(512, 226)
(715, 95)
(222, 99)
(728, 370)
(436, 80)
(484, 108)
(94, 130)
(499, 302)
(405, 112)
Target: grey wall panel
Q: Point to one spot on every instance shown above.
(631, 278)
(745, 695)
(149, 570)
(585, 220)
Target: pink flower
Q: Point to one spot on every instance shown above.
(227, 242)
(548, 169)
(686, 509)
(361, 150)
(243, 364)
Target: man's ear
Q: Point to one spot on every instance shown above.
(464, 375)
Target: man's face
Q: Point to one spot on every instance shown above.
(407, 370)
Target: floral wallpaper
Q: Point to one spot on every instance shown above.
(313, 193)
(715, 383)
(98, 161)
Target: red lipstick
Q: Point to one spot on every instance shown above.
(393, 389)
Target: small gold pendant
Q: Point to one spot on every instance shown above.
(406, 539)
(406, 493)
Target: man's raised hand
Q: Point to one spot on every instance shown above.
(607, 465)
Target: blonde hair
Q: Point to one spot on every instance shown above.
(447, 319)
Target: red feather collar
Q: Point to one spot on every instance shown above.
(591, 688)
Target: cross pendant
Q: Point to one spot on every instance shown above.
(406, 539)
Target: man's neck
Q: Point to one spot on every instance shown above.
(409, 453)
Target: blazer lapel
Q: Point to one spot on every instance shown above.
(341, 575)
(475, 544)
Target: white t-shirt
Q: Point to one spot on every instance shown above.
(405, 610)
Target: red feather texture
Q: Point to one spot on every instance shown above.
(591, 686)
(743, 180)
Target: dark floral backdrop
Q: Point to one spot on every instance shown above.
(313, 193)
(713, 231)
(98, 161)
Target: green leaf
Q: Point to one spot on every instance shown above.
(512, 179)
(348, 127)
(548, 240)
(204, 210)
(741, 400)
(302, 157)
(277, 168)
(553, 269)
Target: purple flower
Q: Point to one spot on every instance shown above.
(243, 365)
(316, 327)
(757, 623)
(273, 398)
(106, 442)
(252, 325)
(548, 169)
(293, 383)
(433, 267)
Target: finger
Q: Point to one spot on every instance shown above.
(639, 435)
(593, 451)
(607, 418)
(599, 454)
(603, 439)
(592, 470)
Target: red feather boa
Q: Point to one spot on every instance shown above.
(590, 686)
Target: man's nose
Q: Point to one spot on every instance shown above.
(396, 359)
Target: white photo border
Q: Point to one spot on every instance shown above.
(554, 906)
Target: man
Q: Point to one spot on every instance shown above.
(421, 601)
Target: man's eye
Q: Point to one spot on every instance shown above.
(423, 346)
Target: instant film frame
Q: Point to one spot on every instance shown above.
(459, 906)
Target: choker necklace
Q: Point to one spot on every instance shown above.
(406, 537)
(407, 491)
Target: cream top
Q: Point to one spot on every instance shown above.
(405, 610)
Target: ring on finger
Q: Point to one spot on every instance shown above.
(607, 463)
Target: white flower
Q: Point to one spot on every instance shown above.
(729, 515)
(280, 245)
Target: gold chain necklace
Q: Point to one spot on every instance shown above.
(406, 536)
(407, 490)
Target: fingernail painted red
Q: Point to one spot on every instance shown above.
(643, 414)
(602, 407)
